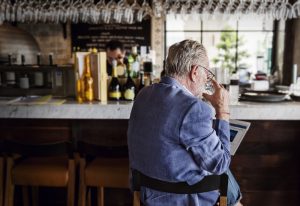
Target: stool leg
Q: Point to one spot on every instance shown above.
(35, 195)
(100, 196)
(71, 183)
(82, 186)
(223, 201)
(136, 198)
(89, 197)
(1, 180)
(25, 195)
(9, 188)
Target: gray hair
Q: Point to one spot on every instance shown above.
(183, 55)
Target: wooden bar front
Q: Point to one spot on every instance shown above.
(266, 164)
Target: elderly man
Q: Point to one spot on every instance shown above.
(170, 133)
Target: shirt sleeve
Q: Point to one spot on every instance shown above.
(209, 148)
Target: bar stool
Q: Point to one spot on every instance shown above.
(104, 158)
(100, 171)
(1, 173)
(39, 162)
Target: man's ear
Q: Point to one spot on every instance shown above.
(193, 73)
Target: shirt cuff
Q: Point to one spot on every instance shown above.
(222, 129)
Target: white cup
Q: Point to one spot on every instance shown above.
(24, 83)
(38, 79)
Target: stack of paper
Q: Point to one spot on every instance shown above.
(38, 100)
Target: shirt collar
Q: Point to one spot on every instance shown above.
(172, 81)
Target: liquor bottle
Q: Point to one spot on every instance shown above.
(78, 88)
(121, 69)
(129, 87)
(9, 59)
(38, 59)
(22, 59)
(114, 90)
(148, 69)
(234, 89)
(10, 76)
(50, 59)
(134, 52)
(131, 61)
(88, 81)
(142, 81)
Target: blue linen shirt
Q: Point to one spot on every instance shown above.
(171, 138)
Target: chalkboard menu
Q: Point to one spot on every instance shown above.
(85, 36)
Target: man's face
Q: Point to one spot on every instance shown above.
(201, 78)
(116, 54)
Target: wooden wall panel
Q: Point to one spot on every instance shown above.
(266, 165)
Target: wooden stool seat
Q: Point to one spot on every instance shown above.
(101, 173)
(108, 172)
(49, 165)
(104, 158)
(42, 171)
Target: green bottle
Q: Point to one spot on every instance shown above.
(129, 89)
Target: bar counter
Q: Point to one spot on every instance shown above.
(121, 110)
(266, 164)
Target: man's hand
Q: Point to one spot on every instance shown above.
(219, 100)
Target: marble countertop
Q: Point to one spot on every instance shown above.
(121, 110)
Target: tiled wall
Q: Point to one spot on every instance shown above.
(297, 45)
(158, 42)
(51, 39)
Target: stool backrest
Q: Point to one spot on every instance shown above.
(102, 138)
(37, 140)
(49, 149)
(1, 146)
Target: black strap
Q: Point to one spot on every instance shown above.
(208, 183)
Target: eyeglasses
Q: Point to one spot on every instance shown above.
(209, 73)
(208, 85)
(118, 58)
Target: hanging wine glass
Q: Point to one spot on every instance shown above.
(185, 9)
(128, 13)
(8, 10)
(147, 9)
(296, 9)
(286, 10)
(100, 6)
(135, 9)
(166, 7)
(174, 8)
(279, 10)
(157, 8)
(73, 11)
(195, 9)
(206, 12)
(62, 11)
(2, 12)
(119, 11)
(94, 12)
(144, 11)
(108, 11)
(219, 9)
